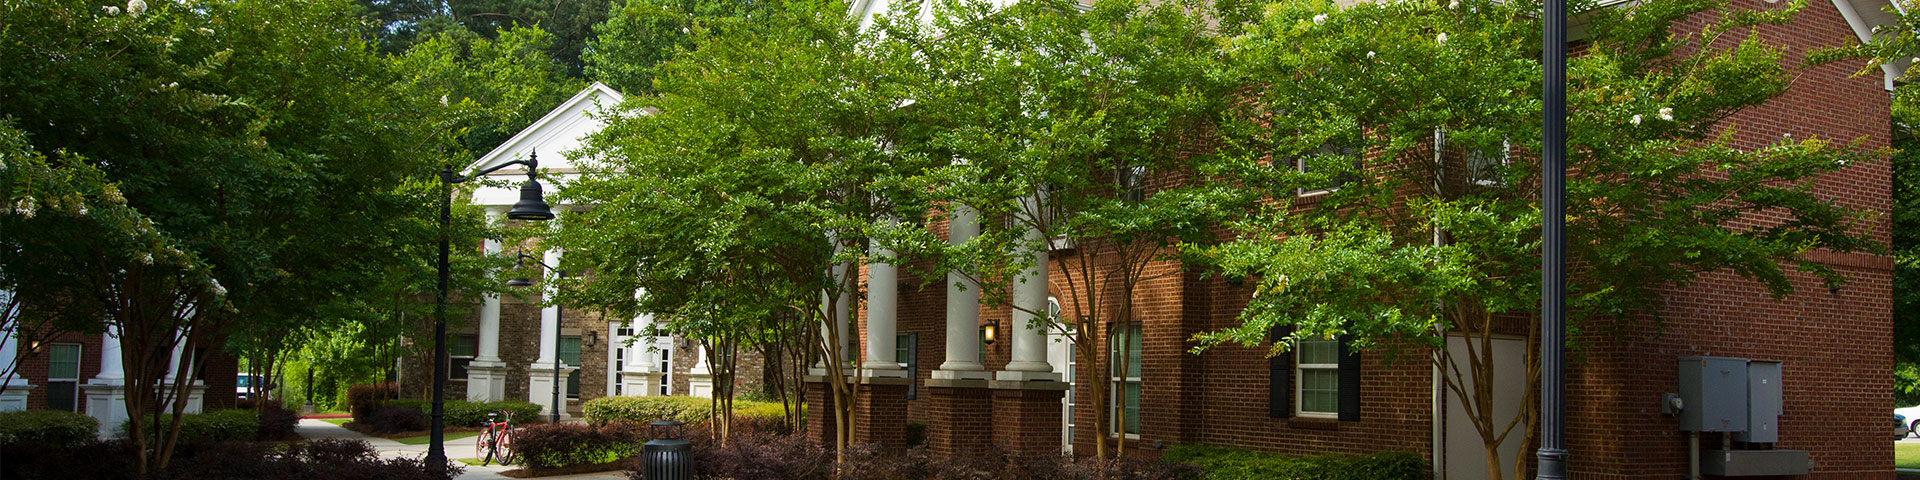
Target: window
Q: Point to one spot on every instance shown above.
(1483, 167)
(905, 349)
(570, 355)
(1332, 160)
(1133, 183)
(1126, 383)
(664, 346)
(619, 371)
(460, 351)
(63, 377)
(1072, 363)
(1317, 366)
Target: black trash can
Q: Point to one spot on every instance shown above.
(666, 457)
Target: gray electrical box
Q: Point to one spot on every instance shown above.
(1714, 394)
(1763, 403)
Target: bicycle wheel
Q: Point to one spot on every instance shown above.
(505, 445)
(484, 447)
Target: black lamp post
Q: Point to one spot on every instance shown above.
(558, 311)
(532, 206)
(1552, 456)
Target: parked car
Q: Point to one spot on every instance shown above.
(249, 385)
(1900, 427)
(1911, 417)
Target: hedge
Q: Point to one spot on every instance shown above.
(643, 410)
(1221, 463)
(47, 427)
(560, 445)
(215, 426)
(361, 399)
(474, 414)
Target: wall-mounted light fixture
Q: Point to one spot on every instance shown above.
(593, 337)
(989, 331)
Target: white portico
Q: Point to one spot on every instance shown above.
(551, 140)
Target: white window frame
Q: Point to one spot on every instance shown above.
(454, 359)
(1506, 158)
(79, 363)
(1117, 392)
(1300, 367)
(572, 391)
(1300, 165)
(906, 349)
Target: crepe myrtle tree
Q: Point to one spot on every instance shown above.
(757, 177)
(1370, 233)
(1081, 133)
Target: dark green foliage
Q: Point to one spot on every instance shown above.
(753, 455)
(389, 419)
(325, 459)
(1906, 250)
(215, 426)
(461, 413)
(278, 424)
(573, 444)
(363, 399)
(1222, 463)
(47, 427)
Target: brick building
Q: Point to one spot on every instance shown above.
(509, 348)
(82, 373)
(1028, 394)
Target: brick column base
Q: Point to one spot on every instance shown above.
(959, 417)
(880, 413)
(820, 421)
(1028, 416)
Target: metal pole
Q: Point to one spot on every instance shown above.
(436, 433)
(309, 384)
(558, 320)
(1552, 456)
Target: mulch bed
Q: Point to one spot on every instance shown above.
(567, 470)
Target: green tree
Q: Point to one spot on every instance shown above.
(399, 25)
(637, 37)
(263, 154)
(1382, 239)
(1086, 127)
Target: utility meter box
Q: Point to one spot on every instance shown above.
(1713, 392)
(1763, 403)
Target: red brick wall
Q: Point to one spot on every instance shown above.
(33, 367)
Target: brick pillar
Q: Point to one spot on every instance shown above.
(1027, 416)
(880, 413)
(959, 417)
(820, 421)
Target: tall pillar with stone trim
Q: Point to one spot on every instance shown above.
(959, 405)
(541, 376)
(639, 373)
(1027, 393)
(14, 398)
(107, 392)
(486, 374)
(196, 390)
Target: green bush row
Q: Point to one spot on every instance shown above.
(1221, 463)
(47, 427)
(215, 426)
(685, 409)
(474, 414)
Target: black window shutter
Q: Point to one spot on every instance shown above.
(1280, 376)
(1349, 381)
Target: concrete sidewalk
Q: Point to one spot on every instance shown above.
(312, 429)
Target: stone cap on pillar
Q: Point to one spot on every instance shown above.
(957, 383)
(1029, 385)
(867, 380)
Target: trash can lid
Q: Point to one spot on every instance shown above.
(667, 423)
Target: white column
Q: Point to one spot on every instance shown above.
(1030, 297)
(111, 370)
(173, 363)
(488, 337)
(550, 315)
(17, 386)
(963, 307)
(883, 305)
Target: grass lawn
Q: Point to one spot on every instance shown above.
(335, 421)
(1906, 455)
(469, 461)
(422, 440)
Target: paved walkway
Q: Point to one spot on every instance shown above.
(457, 448)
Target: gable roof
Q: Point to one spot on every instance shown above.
(559, 131)
(1864, 16)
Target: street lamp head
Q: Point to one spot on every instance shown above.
(532, 204)
(519, 282)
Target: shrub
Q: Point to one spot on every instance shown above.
(1233, 464)
(47, 427)
(277, 423)
(216, 426)
(643, 410)
(326, 458)
(386, 419)
(474, 414)
(361, 399)
(253, 404)
(572, 444)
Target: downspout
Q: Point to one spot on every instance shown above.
(1439, 378)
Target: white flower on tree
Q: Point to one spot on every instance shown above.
(1636, 120)
(136, 7)
(1666, 113)
(1320, 19)
(1442, 39)
(110, 10)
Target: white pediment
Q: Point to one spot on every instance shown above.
(555, 138)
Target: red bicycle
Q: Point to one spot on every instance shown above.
(497, 441)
